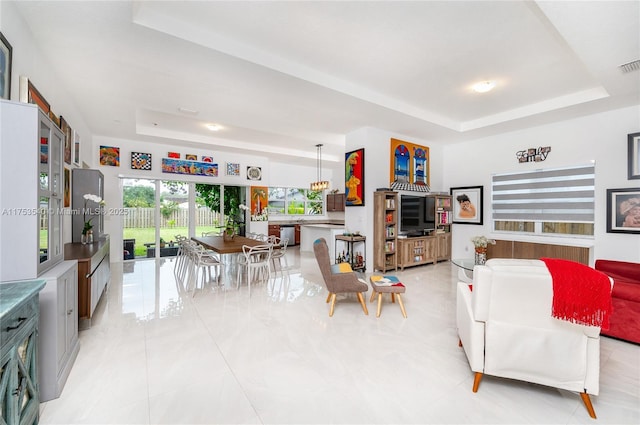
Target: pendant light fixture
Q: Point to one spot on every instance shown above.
(320, 184)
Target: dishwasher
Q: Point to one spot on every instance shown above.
(288, 232)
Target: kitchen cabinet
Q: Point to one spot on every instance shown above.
(58, 335)
(335, 202)
(19, 397)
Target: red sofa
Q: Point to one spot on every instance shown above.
(625, 297)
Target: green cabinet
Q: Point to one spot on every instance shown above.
(19, 311)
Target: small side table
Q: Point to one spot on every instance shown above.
(395, 288)
(465, 269)
(356, 259)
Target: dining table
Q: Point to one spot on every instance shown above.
(230, 246)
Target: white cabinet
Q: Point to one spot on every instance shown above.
(58, 336)
(31, 192)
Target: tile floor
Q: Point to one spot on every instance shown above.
(155, 356)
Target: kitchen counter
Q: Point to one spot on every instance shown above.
(310, 232)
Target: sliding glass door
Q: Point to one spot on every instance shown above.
(157, 211)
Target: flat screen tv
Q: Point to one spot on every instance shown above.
(417, 215)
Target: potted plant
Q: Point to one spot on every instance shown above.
(480, 244)
(162, 243)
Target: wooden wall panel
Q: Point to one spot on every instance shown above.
(529, 250)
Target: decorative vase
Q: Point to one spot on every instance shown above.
(83, 239)
(90, 236)
(481, 255)
(228, 235)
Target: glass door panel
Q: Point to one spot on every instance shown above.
(138, 223)
(207, 209)
(174, 215)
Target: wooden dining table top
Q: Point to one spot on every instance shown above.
(219, 245)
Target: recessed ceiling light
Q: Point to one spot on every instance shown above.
(484, 86)
(213, 127)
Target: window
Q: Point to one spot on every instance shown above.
(550, 202)
(295, 201)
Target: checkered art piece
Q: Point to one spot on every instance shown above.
(140, 161)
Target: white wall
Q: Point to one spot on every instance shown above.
(601, 137)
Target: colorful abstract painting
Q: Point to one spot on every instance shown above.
(194, 168)
(110, 155)
(208, 159)
(409, 166)
(354, 178)
(140, 161)
(233, 169)
(191, 157)
(174, 155)
(259, 203)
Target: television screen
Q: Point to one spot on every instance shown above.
(417, 214)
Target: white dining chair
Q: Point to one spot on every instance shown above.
(202, 262)
(279, 252)
(256, 262)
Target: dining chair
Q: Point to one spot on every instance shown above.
(256, 260)
(279, 251)
(202, 263)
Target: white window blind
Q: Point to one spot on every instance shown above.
(559, 195)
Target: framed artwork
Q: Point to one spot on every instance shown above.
(67, 187)
(354, 178)
(174, 155)
(233, 169)
(259, 203)
(207, 158)
(194, 168)
(634, 156)
(29, 94)
(254, 173)
(110, 155)
(467, 204)
(190, 157)
(409, 166)
(68, 139)
(623, 210)
(6, 52)
(140, 161)
(76, 148)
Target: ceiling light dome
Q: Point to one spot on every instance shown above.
(484, 86)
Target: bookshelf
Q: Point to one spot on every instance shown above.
(444, 217)
(385, 230)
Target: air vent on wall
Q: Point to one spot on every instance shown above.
(631, 66)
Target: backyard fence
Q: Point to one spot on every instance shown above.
(145, 217)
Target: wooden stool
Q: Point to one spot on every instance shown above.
(390, 285)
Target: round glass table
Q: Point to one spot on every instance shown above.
(465, 269)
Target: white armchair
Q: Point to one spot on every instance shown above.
(507, 330)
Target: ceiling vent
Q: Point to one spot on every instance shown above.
(631, 66)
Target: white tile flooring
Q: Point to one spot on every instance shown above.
(153, 356)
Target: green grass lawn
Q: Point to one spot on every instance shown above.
(144, 235)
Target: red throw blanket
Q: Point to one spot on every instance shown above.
(580, 294)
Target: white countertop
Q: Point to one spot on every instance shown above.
(325, 226)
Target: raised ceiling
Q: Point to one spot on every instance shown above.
(281, 77)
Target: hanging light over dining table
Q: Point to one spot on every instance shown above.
(319, 184)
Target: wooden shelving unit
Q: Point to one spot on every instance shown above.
(385, 231)
(444, 217)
